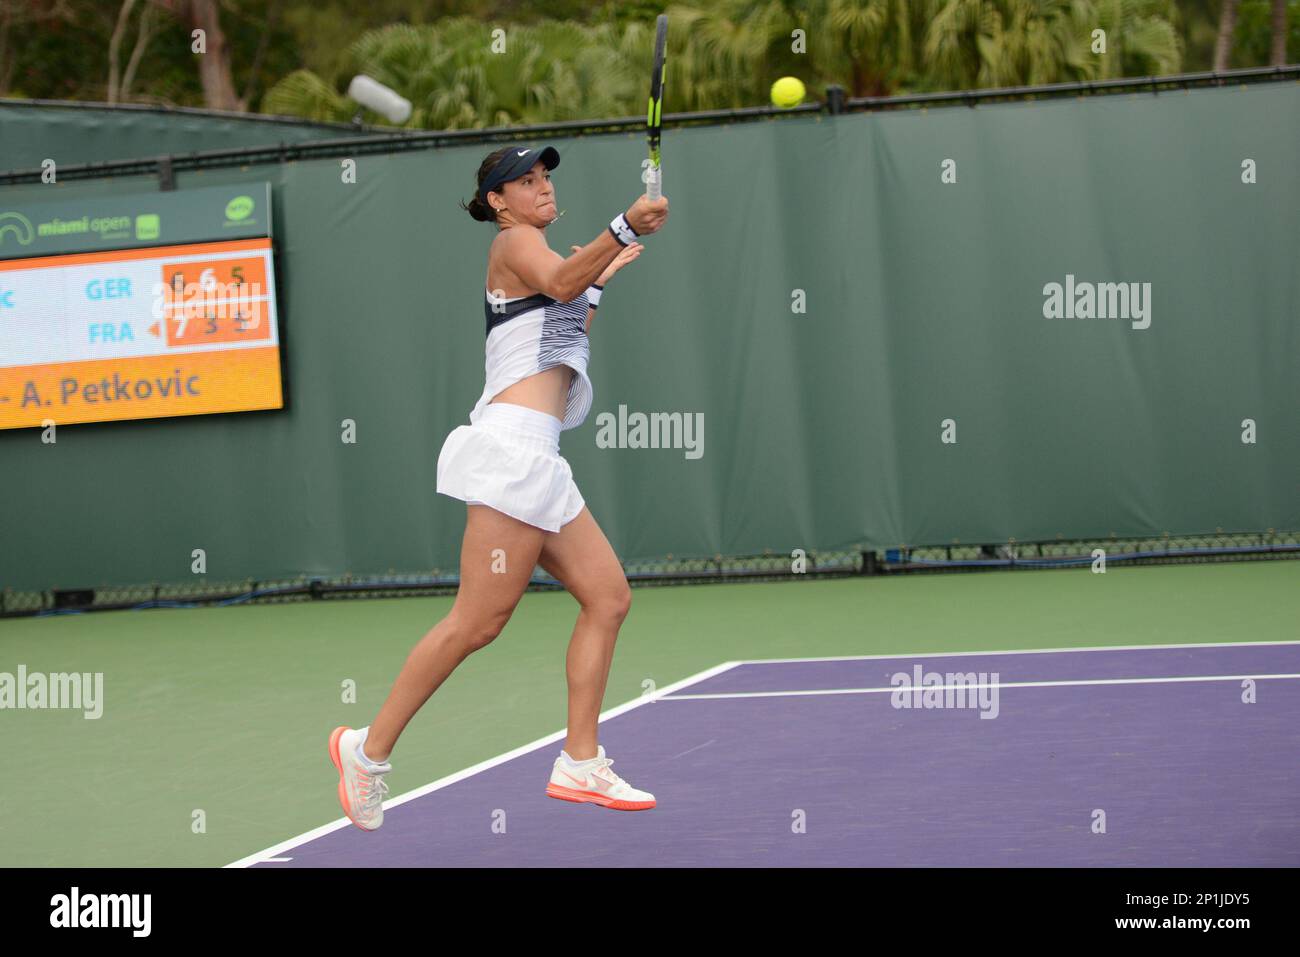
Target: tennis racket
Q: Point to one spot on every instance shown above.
(654, 117)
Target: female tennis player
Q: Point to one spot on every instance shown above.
(523, 506)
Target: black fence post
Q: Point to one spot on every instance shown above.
(166, 174)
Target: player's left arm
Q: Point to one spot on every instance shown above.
(626, 255)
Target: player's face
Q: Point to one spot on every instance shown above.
(532, 196)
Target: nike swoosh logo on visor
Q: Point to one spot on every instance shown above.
(523, 153)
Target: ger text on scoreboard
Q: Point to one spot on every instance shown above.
(138, 307)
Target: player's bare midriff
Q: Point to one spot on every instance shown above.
(546, 391)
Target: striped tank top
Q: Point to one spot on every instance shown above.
(530, 334)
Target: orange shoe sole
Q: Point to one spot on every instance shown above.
(592, 797)
(338, 765)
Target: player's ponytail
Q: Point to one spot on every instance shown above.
(476, 207)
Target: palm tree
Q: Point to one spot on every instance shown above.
(1278, 57)
(976, 43)
(718, 54)
(733, 49)
(874, 44)
(1227, 26)
(728, 52)
(549, 71)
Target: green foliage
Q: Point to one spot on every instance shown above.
(728, 52)
(569, 59)
(65, 56)
(1198, 27)
(550, 70)
(975, 43)
(1254, 37)
(622, 12)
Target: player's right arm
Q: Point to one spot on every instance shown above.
(525, 253)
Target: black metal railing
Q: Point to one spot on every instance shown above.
(771, 566)
(372, 140)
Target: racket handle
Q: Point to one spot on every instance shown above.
(654, 184)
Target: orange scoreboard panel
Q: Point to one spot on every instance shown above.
(139, 333)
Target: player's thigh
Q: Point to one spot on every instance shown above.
(580, 556)
(497, 558)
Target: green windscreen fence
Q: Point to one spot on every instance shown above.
(1034, 320)
(74, 134)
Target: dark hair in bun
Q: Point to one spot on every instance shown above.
(476, 207)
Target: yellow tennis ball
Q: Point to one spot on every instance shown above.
(787, 91)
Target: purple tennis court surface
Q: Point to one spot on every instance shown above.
(1186, 772)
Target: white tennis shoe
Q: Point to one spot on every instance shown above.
(361, 788)
(593, 782)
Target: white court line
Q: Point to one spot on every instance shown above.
(1017, 651)
(692, 750)
(693, 679)
(917, 690)
(391, 803)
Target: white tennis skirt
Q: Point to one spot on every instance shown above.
(510, 461)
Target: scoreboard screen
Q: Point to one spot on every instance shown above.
(142, 329)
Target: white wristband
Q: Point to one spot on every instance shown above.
(622, 230)
(593, 296)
